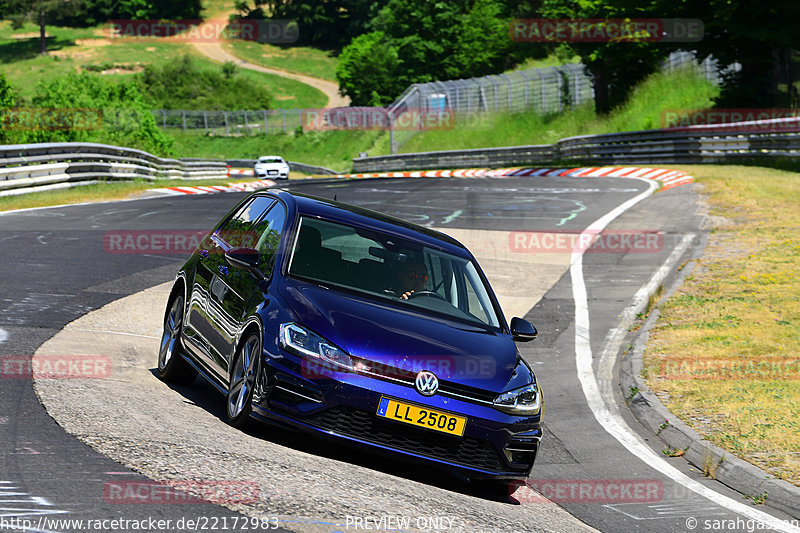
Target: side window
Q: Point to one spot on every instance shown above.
(269, 230)
(239, 231)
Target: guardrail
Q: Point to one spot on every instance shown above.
(694, 144)
(30, 167)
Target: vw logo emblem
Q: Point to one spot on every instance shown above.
(427, 383)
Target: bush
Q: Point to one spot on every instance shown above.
(183, 84)
(107, 112)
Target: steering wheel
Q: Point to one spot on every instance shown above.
(426, 293)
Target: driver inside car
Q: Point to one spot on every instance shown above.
(411, 278)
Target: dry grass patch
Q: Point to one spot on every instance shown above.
(725, 352)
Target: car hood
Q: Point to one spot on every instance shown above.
(398, 341)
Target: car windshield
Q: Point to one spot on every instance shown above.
(383, 265)
(270, 160)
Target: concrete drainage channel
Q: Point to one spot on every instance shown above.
(726, 468)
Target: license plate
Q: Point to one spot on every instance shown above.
(423, 417)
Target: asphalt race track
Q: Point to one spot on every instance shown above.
(58, 267)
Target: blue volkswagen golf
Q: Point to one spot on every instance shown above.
(351, 324)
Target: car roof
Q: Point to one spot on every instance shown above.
(270, 157)
(315, 206)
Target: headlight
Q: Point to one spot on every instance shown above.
(522, 401)
(300, 341)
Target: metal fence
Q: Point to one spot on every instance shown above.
(230, 123)
(546, 90)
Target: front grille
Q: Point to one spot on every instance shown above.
(362, 425)
(465, 392)
(446, 388)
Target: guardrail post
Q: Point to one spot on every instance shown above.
(164, 119)
(205, 121)
(266, 127)
(225, 117)
(527, 88)
(246, 125)
(183, 114)
(392, 143)
(283, 115)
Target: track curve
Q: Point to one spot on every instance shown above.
(309, 485)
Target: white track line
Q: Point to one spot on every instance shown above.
(607, 413)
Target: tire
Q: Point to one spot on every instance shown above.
(172, 367)
(243, 374)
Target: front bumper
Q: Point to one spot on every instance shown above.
(343, 405)
(271, 173)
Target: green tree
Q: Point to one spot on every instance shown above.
(615, 67)
(41, 12)
(756, 34)
(431, 41)
(327, 24)
(367, 70)
(84, 13)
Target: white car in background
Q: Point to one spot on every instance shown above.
(271, 166)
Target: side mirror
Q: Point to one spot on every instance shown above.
(522, 330)
(245, 259)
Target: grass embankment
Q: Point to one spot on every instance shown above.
(680, 90)
(331, 149)
(79, 49)
(725, 353)
(298, 59)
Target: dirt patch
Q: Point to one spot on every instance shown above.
(133, 70)
(29, 35)
(93, 43)
(284, 98)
